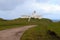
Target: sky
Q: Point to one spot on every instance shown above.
(11, 9)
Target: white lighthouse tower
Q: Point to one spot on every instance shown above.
(34, 15)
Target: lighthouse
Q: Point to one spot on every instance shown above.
(33, 15)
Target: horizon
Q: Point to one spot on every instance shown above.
(54, 20)
(12, 9)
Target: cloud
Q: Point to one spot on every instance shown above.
(42, 1)
(9, 4)
(10, 9)
(55, 2)
(49, 1)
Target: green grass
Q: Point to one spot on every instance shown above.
(40, 32)
(18, 22)
(7, 24)
(37, 33)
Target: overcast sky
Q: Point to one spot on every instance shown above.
(10, 9)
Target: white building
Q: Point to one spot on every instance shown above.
(25, 16)
(34, 15)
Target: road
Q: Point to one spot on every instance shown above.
(14, 33)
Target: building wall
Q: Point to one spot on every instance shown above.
(25, 16)
(36, 16)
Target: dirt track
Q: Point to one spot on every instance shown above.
(14, 33)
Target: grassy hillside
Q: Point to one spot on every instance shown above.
(5, 24)
(41, 31)
(37, 33)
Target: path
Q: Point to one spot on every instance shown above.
(14, 33)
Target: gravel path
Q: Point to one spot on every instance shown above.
(14, 33)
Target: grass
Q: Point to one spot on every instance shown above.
(37, 33)
(7, 24)
(40, 32)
